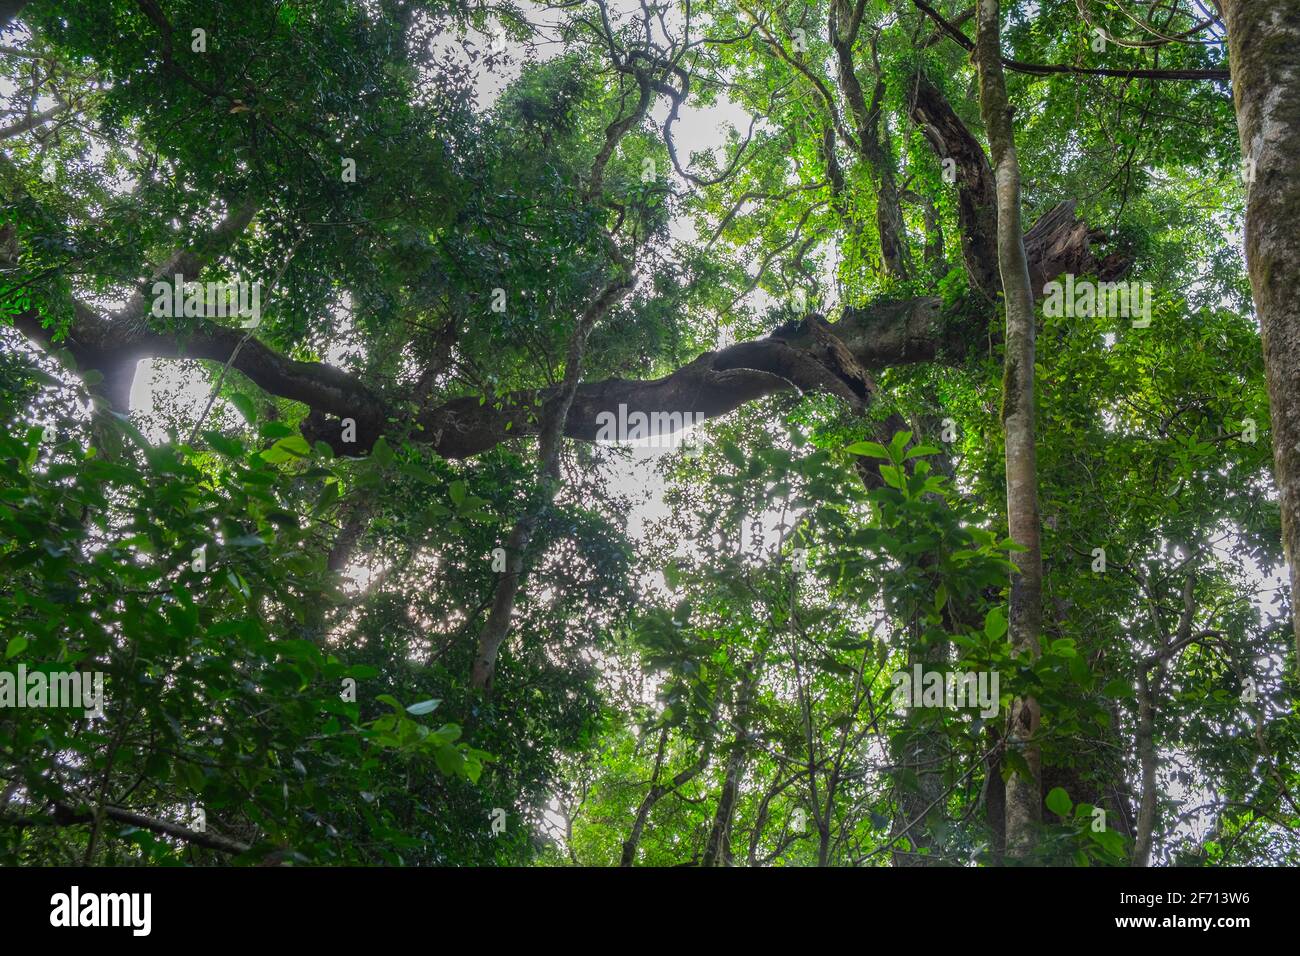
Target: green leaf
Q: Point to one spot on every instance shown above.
(1064, 647)
(229, 447)
(922, 450)
(286, 449)
(1059, 802)
(124, 424)
(1117, 689)
(44, 377)
(245, 406)
(381, 453)
(17, 644)
(458, 491)
(328, 495)
(893, 475)
(995, 624)
(1079, 671)
(869, 449)
(449, 760)
(897, 444)
(273, 430)
(433, 511)
(412, 470)
(1013, 762)
(423, 707)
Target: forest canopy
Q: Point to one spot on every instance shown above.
(675, 433)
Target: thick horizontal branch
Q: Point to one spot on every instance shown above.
(800, 357)
(114, 347)
(32, 121)
(65, 815)
(712, 385)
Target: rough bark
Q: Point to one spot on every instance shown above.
(995, 802)
(717, 851)
(1058, 243)
(1146, 748)
(883, 335)
(973, 178)
(870, 142)
(1023, 792)
(1263, 37)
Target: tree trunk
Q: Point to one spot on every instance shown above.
(973, 178)
(497, 625)
(1263, 40)
(1023, 792)
(657, 792)
(922, 753)
(717, 851)
(1146, 746)
(871, 143)
(995, 802)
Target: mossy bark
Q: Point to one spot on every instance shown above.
(1264, 53)
(1023, 792)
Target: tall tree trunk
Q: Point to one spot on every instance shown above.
(1263, 40)
(1023, 792)
(995, 802)
(972, 176)
(871, 144)
(717, 851)
(497, 625)
(921, 753)
(1146, 746)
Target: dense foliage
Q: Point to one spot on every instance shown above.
(702, 653)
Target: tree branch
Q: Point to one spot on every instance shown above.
(1049, 69)
(66, 815)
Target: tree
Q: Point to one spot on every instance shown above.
(1259, 32)
(1024, 793)
(404, 457)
